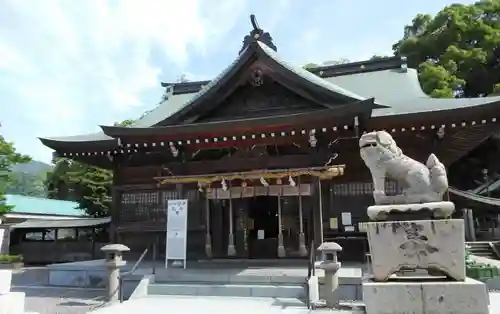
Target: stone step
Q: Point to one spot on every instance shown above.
(482, 252)
(233, 290)
(489, 256)
(481, 248)
(230, 279)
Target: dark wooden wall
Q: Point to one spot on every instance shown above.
(141, 219)
(269, 99)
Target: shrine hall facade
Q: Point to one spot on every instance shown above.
(267, 153)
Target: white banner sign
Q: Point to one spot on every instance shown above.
(176, 230)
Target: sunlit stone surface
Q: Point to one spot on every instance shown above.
(424, 244)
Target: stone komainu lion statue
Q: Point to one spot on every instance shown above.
(421, 183)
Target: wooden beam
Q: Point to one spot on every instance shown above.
(324, 172)
(231, 164)
(235, 164)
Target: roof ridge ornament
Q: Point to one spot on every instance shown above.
(257, 34)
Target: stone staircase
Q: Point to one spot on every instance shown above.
(483, 249)
(10, 302)
(236, 285)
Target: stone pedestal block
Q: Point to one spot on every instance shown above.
(469, 297)
(424, 244)
(12, 303)
(434, 209)
(5, 280)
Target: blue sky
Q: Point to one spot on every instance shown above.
(67, 66)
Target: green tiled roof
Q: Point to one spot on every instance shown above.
(89, 137)
(308, 76)
(42, 206)
(177, 102)
(398, 89)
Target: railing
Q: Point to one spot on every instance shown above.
(311, 271)
(128, 273)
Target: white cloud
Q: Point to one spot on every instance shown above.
(66, 65)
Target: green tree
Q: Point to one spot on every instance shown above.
(457, 52)
(182, 79)
(29, 184)
(8, 157)
(310, 66)
(88, 185)
(93, 188)
(127, 122)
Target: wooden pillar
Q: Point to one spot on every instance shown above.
(302, 238)
(281, 247)
(231, 250)
(469, 221)
(217, 229)
(318, 214)
(208, 237)
(115, 206)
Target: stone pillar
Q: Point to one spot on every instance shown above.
(208, 237)
(114, 260)
(302, 237)
(231, 250)
(331, 266)
(281, 247)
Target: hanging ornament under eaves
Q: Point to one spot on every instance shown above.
(313, 141)
(174, 150)
(224, 185)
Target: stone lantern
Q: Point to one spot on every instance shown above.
(330, 264)
(114, 261)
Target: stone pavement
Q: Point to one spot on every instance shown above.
(211, 305)
(50, 300)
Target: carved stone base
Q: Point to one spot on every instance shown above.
(469, 297)
(231, 250)
(434, 209)
(302, 244)
(281, 247)
(419, 244)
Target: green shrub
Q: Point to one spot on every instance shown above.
(478, 271)
(5, 258)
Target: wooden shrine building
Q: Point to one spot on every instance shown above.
(267, 153)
